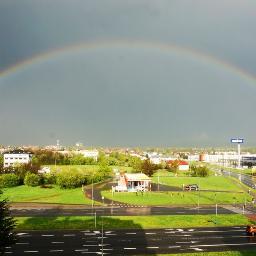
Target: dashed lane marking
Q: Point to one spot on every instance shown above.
(130, 248)
(31, 251)
(47, 235)
(56, 250)
(57, 242)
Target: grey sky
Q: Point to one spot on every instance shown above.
(127, 96)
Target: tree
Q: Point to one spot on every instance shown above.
(7, 224)
(148, 168)
(200, 171)
(1, 161)
(173, 165)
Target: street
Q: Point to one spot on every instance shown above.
(131, 242)
(121, 211)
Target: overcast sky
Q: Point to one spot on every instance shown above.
(188, 82)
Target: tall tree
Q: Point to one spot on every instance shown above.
(7, 224)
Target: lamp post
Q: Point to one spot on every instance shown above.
(92, 194)
(102, 228)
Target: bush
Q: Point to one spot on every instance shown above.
(32, 180)
(200, 171)
(9, 180)
(72, 179)
(50, 178)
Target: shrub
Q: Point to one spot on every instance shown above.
(50, 178)
(9, 180)
(200, 171)
(72, 179)
(32, 180)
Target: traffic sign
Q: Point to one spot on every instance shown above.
(237, 140)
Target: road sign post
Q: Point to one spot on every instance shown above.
(238, 141)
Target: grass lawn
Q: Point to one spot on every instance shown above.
(225, 253)
(130, 222)
(45, 195)
(177, 198)
(212, 182)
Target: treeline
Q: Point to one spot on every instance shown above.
(20, 175)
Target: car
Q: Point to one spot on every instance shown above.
(251, 230)
(191, 187)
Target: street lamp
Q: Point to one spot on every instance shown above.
(102, 231)
(92, 193)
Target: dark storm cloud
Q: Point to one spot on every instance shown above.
(124, 96)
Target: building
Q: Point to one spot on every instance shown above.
(182, 165)
(133, 182)
(90, 153)
(17, 156)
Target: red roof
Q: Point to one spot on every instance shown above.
(181, 162)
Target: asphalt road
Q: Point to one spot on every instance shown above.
(131, 242)
(121, 211)
(248, 180)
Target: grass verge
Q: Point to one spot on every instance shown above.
(177, 198)
(46, 195)
(225, 253)
(129, 222)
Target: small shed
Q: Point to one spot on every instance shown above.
(133, 182)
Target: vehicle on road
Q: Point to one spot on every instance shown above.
(251, 230)
(192, 187)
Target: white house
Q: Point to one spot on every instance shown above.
(17, 156)
(90, 153)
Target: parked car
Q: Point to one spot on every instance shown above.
(191, 187)
(251, 230)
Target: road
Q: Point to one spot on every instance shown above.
(121, 211)
(246, 179)
(131, 242)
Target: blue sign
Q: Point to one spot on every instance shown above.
(237, 140)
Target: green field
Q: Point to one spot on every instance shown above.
(45, 195)
(225, 253)
(177, 198)
(207, 183)
(130, 222)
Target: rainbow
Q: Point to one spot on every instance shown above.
(130, 44)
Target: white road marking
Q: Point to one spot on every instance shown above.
(57, 242)
(150, 233)
(8, 252)
(130, 248)
(81, 250)
(152, 247)
(56, 250)
(22, 234)
(31, 251)
(190, 230)
(197, 249)
(130, 233)
(47, 235)
(174, 246)
(69, 235)
(180, 229)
